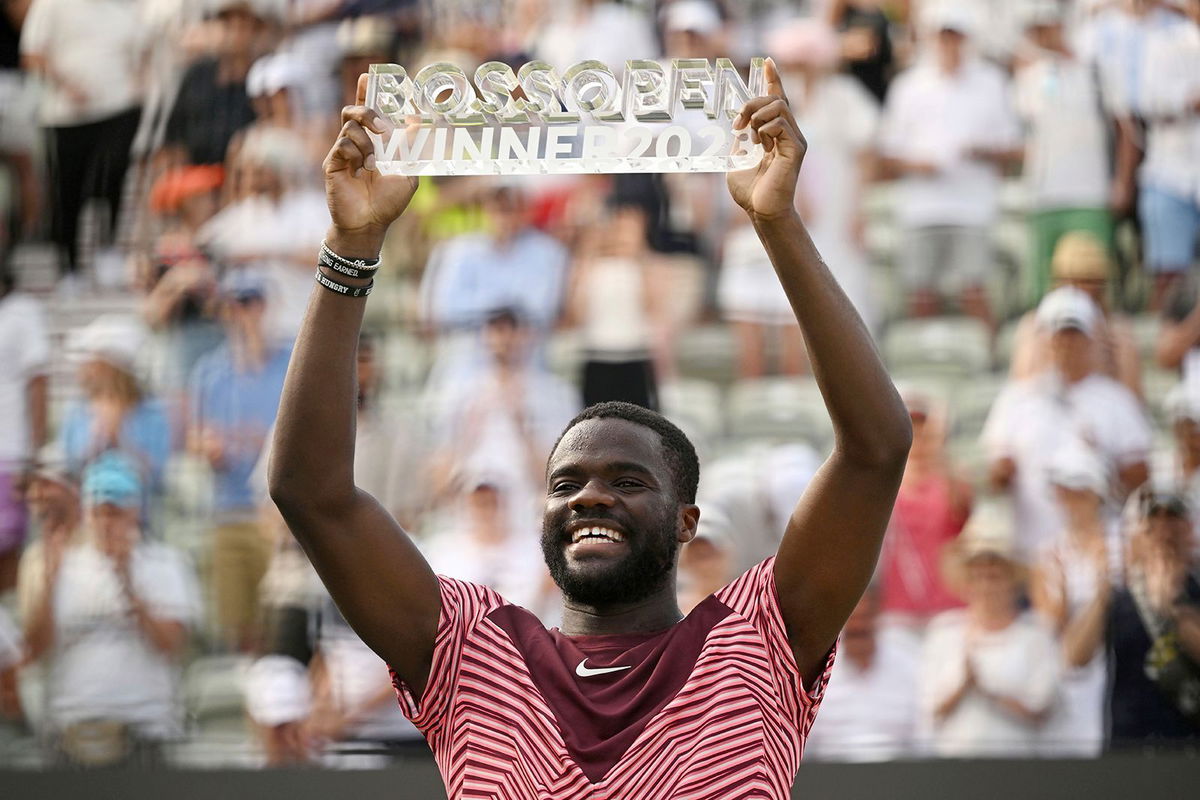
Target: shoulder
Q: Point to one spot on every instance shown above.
(946, 624)
(1107, 391)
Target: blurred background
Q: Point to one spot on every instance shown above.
(1008, 190)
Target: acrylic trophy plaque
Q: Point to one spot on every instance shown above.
(672, 117)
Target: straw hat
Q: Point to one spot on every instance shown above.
(1080, 256)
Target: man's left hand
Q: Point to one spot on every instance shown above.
(768, 191)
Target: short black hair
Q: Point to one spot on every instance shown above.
(681, 455)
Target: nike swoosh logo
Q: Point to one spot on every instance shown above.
(584, 671)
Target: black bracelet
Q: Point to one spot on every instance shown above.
(343, 289)
(324, 259)
(353, 267)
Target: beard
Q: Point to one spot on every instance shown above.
(642, 571)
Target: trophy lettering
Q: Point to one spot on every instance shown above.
(656, 118)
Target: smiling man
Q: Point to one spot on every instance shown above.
(629, 698)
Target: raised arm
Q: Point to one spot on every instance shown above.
(832, 541)
(374, 572)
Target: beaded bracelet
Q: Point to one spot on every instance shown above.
(343, 289)
(350, 267)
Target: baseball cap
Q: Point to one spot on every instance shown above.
(1079, 256)
(989, 532)
(114, 338)
(1078, 466)
(1032, 13)
(949, 15)
(274, 73)
(112, 479)
(697, 16)
(1068, 307)
(177, 185)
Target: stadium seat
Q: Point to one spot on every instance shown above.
(708, 352)
(971, 402)
(695, 406)
(951, 346)
(782, 409)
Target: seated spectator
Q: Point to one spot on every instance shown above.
(11, 656)
(616, 297)
(1033, 418)
(234, 396)
(511, 265)
(52, 497)
(1065, 583)
(112, 621)
(947, 135)
(866, 42)
(212, 104)
(116, 412)
(506, 420)
(1183, 411)
(25, 353)
(1066, 153)
(931, 508)
(870, 710)
(1178, 345)
(989, 673)
(1151, 629)
(1081, 261)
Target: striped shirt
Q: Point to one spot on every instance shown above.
(713, 708)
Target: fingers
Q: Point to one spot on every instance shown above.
(769, 133)
(366, 117)
(355, 133)
(353, 150)
(748, 110)
(774, 82)
(360, 95)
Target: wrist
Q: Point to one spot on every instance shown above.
(364, 243)
(786, 218)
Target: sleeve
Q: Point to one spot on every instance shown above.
(995, 435)
(35, 351)
(1128, 432)
(755, 598)
(1005, 128)
(175, 593)
(35, 31)
(464, 605)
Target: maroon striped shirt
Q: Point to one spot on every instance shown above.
(712, 708)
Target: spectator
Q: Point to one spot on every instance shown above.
(931, 508)
(607, 30)
(870, 711)
(948, 134)
(212, 104)
(616, 297)
(234, 395)
(180, 279)
(839, 120)
(116, 411)
(52, 497)
(1073, 401)
(24, 351)
(1182, 406)
(1151, 627)
(989, 672)
(1065, 581)
(866, 43)
(506, 420)
(112, 622)
(10, 658)
(18, 133)
(90, 107)
(1169, 202)
(1066, 150)
(1082, 261)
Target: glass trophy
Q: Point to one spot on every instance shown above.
(655, 117)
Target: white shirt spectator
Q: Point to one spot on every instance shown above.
(1116, 42)
(869, 714)
(102, 666)
(1031, 419)
(1076, 726)
(24, 352)
(934, 117)
(1169, 92)
(1066, 161)
(1020, 661)
(611, 33)
(95, 45)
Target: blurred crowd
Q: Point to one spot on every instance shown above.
(1008, 190)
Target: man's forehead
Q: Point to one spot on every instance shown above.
(609, 440)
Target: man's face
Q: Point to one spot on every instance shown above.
(991, 582)
(505, 339)
(611, 474)
(116, 528)
(950, 44)
(1071, 350)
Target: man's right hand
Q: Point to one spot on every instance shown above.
(362, 202)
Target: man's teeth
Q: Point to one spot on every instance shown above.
(606, 534)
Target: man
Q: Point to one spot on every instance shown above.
(112, 622)
(1151, 630)
(1072, 401)
(947, 135)
(234, 397)
(599, 708)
